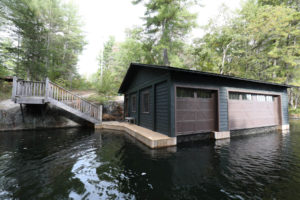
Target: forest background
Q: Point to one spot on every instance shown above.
(44, 38)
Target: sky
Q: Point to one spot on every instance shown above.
(104, 18)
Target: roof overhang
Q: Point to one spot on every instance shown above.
(135, 66)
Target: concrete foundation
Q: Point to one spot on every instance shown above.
(284, 128)
(150, 138)
(220, 135)
(154, 139)
(193, 137)
(252, 131)
(12, 117)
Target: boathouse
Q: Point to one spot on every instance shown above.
(178, 102)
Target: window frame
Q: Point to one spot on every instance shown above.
(133, 107)
(181, 92)
(126, 106)
(143, 102)
(203, 94)
(233, 95)
(251, 96)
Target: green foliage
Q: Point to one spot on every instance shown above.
(167, 22)
(46, 38)
(5, 90)
(80, 83)
(77, 83)
(115, 59)
(295, 4)
(107, 85)
(99, 98)
(295, 111)
(261, 43)
(6, 63)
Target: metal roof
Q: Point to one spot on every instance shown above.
(134, 66)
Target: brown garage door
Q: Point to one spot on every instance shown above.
(196, 110)
(252, 110)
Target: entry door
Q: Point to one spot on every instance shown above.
(252, 110)
(196, 111)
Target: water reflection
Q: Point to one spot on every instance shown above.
(82, 164)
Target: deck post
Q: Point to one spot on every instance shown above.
(100, 113)
(14, 90)
(46, 89)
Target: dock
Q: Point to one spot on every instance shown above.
(148, 137)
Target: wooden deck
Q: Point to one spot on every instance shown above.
(150, 138)
(39, 92)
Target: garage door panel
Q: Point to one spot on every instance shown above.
(187, 126)
(185, 104)
(183, 115)
(204, 105)
(204, 125)
(196, 114)
(205, 115)
(253, 113)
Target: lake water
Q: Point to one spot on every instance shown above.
(87, 164)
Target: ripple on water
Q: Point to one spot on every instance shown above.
(80, 164)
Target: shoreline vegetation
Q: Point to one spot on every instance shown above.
(5, 90)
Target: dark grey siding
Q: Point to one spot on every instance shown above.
(145, 78)
(172, 107)
(161, 108)
(146, 119)
(223, 109)
(131, 112)
(285, 107)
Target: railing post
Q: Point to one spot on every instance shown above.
(100, 113)
(46, 89)
(14, 89)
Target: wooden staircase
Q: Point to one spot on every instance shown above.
(39, 92)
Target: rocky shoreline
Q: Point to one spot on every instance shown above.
(15, 117)
(12, 117)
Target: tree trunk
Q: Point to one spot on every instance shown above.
(224, 57)
(296, 102)
(28, 75)
(166, 59)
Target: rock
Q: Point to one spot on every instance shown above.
(108, 117)
(34, 116)
(113, 110)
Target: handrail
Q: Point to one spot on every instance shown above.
(29, 88)
(66, 97)
(73, 94)
(31, 81)
(50, 90)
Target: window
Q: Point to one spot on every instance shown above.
(234, 95)
(269, 98)
(250, 97)
(261, 98)
(246, 96)
(126, 106)
(133, 103)
(185, 92)
(203, 94)
(145, 102)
